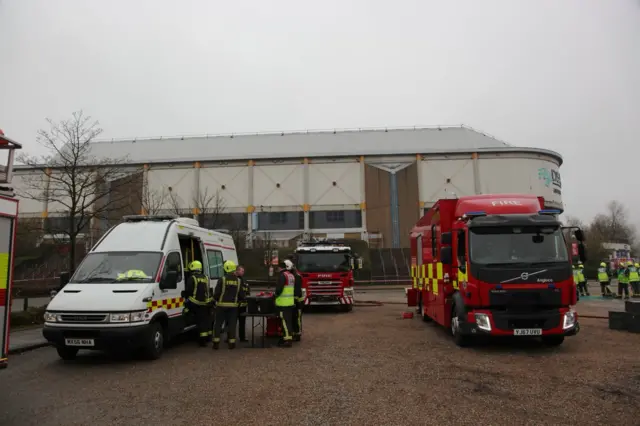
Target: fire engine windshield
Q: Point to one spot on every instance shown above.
(517, 244)
(112, 267)
(323, 262)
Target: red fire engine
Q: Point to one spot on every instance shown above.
(495, 265)
(327, 269)
(8, 223)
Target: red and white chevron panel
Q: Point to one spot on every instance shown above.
(346, 300)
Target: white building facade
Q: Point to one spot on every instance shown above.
(368, 184)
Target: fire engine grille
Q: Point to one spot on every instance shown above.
(83, 318)
(325, 288)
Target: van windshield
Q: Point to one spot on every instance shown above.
(115, 267)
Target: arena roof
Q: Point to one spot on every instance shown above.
(326, 143)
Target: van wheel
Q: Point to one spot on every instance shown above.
(67, 353)
(553, 340)
(425, 317)
(155, 342)
(460, 339)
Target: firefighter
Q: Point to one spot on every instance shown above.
(635, 280)
(299, 301)
(242, 308)
(285, 302)
(603, 279)
(226, 296)
(199, 297)
(576, 281)
(582, 281)
(623, 281)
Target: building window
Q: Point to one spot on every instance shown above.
(229, 221)
(280, 221)
(61, 225)
(335, 219)
(335, 216)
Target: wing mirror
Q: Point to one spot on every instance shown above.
(445, 255)
(170, 281)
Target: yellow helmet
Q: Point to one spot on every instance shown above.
(603, 264)
(196, 265)
(637, 265)
(580, 265)
(229, 266)
(629, 263)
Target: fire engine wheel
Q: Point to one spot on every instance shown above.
(425, 317)
(459, 339)
(347, 308)
(66, 353)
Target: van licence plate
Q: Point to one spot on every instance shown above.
(527, 332)
(79, 342)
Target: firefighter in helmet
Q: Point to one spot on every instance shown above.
(582, 281)
(227, 295)
(199, 297)
(634, 278)
(603, 279)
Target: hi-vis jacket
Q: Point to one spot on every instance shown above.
(244, 284)
(285, 290)
(198, 289)
(228, 292)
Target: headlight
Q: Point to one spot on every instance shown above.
(127, 317)
(138, 316)
(49, 317)
(348, 292)
(569, 320)
(120, 317)
(483, 322)
(304, 293)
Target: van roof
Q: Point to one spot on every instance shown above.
(147, 235)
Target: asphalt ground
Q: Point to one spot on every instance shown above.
(365, 367)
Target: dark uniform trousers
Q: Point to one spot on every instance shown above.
(229, 316)
(285, 313)
(296, 319)
(242, 323)
(203, 320)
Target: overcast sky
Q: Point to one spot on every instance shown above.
(563, 75)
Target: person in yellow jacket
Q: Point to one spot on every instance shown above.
(227, 296)
(582, 281)
(603, 279)
(623, 281)
(285, 303)
(634, 277)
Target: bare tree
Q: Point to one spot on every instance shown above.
(69, 175)
(210, 208)
(573, 221)
(152, 201)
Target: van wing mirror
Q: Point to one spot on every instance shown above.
(65, 277)
(445, 255)
(445, 238)
(170, 280)
(582, 252)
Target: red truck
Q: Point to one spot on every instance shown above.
(327, 269)
(495, 265)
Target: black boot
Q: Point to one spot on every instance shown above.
(216, 345)
(297, 338)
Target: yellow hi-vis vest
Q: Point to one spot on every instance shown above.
(633, 274)
(581, 278)
(603, 277)
(286, 298)
(132, 273)
(576, 276)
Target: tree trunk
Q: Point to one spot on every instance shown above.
(72, 241)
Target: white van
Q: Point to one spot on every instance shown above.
(99, 309)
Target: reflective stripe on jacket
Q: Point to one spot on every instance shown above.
(228, 292)
(247, 290)
(201, 294)
(633, 274)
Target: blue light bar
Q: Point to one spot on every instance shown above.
(549, 212)
(479, 213)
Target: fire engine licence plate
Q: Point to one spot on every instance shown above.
(527, 332)
(79, 342)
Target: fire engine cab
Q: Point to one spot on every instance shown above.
(326, 268)
(495, 265)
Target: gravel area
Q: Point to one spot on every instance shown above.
(368, 367)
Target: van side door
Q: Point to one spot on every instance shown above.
(215, 260)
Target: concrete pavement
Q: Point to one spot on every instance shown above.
(22, 340)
